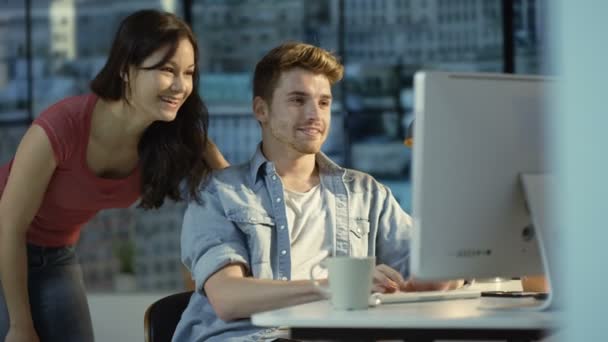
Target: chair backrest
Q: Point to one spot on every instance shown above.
(188, 281)
(162, 316)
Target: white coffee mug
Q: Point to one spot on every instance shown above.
(350, 281)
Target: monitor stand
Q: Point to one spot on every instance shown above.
(537, 191)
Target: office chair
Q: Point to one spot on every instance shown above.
(162, 316)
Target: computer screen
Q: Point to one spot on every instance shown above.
(475, 135)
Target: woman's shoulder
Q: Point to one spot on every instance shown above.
(66, 123)
(70, 113)
(77, 104)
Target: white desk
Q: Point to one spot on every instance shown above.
(444, 320)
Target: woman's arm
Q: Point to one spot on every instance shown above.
(213, 157)
(31, 171)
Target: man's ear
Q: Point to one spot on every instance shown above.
(260, 109)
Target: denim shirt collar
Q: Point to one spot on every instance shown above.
(256, 174)
(260, 166)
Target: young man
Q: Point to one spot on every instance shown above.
(263, 225)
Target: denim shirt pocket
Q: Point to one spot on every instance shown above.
(359, 236)
(258, 226)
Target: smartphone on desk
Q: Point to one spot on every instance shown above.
(515, 294)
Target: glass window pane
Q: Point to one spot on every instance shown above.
(233, 36)
(13, 78)
(382, 59)
(530, 34)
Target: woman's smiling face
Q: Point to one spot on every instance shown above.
(159, 93)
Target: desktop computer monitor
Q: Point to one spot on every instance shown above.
(475, 134)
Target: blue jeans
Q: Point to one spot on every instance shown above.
(57, 296)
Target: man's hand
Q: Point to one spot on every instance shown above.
(387, 280)
(414, 285)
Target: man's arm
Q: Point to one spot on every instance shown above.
(394, 233)
(234, 296)
(393, 247)
(216, 252)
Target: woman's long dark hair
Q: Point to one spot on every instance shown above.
(169, 152)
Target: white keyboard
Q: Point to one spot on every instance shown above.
(422, 296)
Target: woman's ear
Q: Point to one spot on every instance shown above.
(260, 109)
(125, 73)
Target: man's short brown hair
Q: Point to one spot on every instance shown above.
(293, 55)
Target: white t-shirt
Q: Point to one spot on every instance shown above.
(310, 231)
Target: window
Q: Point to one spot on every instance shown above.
(375, 98)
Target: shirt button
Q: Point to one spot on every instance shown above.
(283, 252)
(278, 199)
(274, 177)
(359, 230)
(284, 278)
(282, 227)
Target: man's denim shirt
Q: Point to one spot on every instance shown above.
(243, 220)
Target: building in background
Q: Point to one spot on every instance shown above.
(100, 245)
(9, 139)
(462, 34)
(530, 31)
(157, 254)
(62, 22)
(234, 35)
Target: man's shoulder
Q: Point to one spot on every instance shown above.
(362, 180)
(231, 177)
(359, 175)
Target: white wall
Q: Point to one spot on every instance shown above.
(120, 317)
(581, 49)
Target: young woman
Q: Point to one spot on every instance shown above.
(140, 134)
